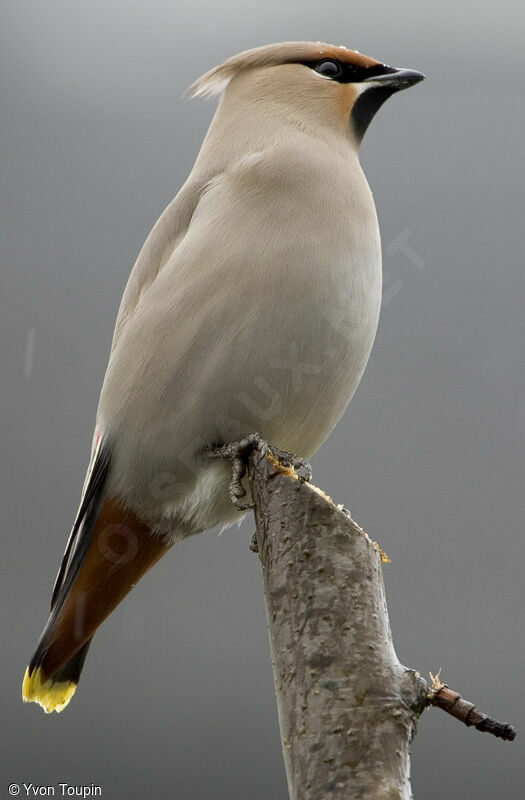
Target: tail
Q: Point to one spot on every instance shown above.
(108, 551)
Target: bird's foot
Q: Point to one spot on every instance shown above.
(285, 459)
(238, 452)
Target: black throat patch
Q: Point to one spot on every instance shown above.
(366, 106)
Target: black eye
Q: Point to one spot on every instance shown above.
(330, 69)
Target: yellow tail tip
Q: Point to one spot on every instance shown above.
(49, 694)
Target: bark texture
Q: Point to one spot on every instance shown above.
(347, 707)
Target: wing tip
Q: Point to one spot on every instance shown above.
(50, 695)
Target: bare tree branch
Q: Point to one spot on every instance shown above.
(347, 707)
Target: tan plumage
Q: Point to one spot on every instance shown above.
(252, 306)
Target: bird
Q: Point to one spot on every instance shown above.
(252, 308)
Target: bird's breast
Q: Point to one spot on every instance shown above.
(263, 319)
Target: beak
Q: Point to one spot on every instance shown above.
(396, 79)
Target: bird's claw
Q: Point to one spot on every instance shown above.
(291, 460)
(238, 452)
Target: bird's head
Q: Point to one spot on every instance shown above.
(313, 81)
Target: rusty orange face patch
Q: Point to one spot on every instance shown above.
(346, 56)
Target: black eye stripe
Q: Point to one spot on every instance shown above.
(347, 73)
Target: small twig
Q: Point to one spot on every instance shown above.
(452, 702)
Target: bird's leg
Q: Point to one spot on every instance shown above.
(238, 452)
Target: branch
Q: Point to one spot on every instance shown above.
(348, 709)
(450, 701)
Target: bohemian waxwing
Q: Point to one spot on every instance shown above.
(252, 306)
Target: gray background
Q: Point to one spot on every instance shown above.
(177, 699)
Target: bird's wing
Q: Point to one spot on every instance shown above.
(162, 240)
(86, 514)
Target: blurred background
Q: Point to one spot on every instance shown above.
(176, 699)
